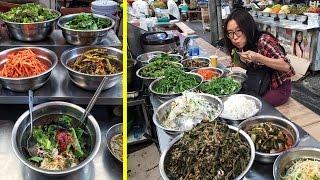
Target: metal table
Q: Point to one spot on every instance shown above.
(258, 170)
(60, 87)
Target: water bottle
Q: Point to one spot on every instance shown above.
(193, 47)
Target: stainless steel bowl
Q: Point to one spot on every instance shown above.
(301, 18)
(145, 57)
(282, 16)
(174, 94)
(238, 76)
(273, 15)
(235, 92)
(266, 14)
(21, 131)
(285, 160)
(202, 59)
(87, 81)
(32, 31)
(161, 113)
(114, 130)
(259, 13)
(179, 57)
(83, 37)
(33, 82)
(243, 135)
(236, 122)
(218, 71)
(292, 17)
(278, 121)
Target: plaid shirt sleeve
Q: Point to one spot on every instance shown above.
(270, 47)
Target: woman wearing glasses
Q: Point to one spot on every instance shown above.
(268, 69)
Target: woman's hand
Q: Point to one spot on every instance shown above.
(250, 56)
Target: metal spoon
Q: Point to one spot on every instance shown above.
(30, 95)
(83, 119)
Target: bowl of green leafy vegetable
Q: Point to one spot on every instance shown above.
(167, 57)
(175, 82)
(85, 28)
(221, 87)
(30, 22)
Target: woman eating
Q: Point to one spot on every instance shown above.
(268, 68)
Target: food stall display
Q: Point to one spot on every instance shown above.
(36, 55)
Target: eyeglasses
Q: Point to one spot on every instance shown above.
(231, 34)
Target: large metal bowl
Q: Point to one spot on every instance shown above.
(162, 111)
(177, 56)
(285, 160)
(235, 92)
(32, 31)
(236, 122)
(87, 81)
(217, 71)
(114, 130)
(243, 135)
(201, 59)
(33, 82)
(83, 37)
(21, 131)
(145, 57)
(284, 123)
(171, 95)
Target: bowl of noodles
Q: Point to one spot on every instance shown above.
(25, 68)
(87, 66)
(60, 144)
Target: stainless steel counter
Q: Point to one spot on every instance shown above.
(295, 25)
(60, 87)
(258, 171)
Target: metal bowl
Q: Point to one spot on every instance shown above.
(266, 14)
(243, 135)
(235, 92)
(83, 37)
(145, 57)
(218, 71)
(87, 81)
(259, 13)
(301, 18)
(292, 17)
(149, 80)
(171, 95)
(236, 122)
(282, 16)
(162, 111)
(238, 76)
(285, 160)
(179, 57)
(284, 123)
(34, 82)
(32, 31)
(202, 59)
(21, 131)
(114, 130)
(273, 15)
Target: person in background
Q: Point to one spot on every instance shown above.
(261, 53)
(297, 46)
(140, 8)
(173, 9)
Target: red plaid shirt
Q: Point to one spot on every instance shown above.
(270, 47)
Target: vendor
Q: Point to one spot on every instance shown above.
(173, 9)
(261, 55)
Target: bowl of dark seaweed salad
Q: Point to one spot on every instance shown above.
(88, 65)
(60, 144)
(175, 82)
(271, 136)
(195, 63)
(30, 22)
(210, 150)
(85, 28)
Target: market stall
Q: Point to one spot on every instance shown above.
(59, 91)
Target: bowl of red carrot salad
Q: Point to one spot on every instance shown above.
(25, 68)
(209, 73)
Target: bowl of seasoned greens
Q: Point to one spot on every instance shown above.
(183, 112)
(88, 65)
(221, 87)
(271, 136)
(155, 70)
(175, 82)
(30, 22)
(85, 28)
(167, 57)
(210, 150)
(60, 144)
(145, 57)
(298, 163)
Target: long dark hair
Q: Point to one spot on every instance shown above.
(247, 25)
(296, 42)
